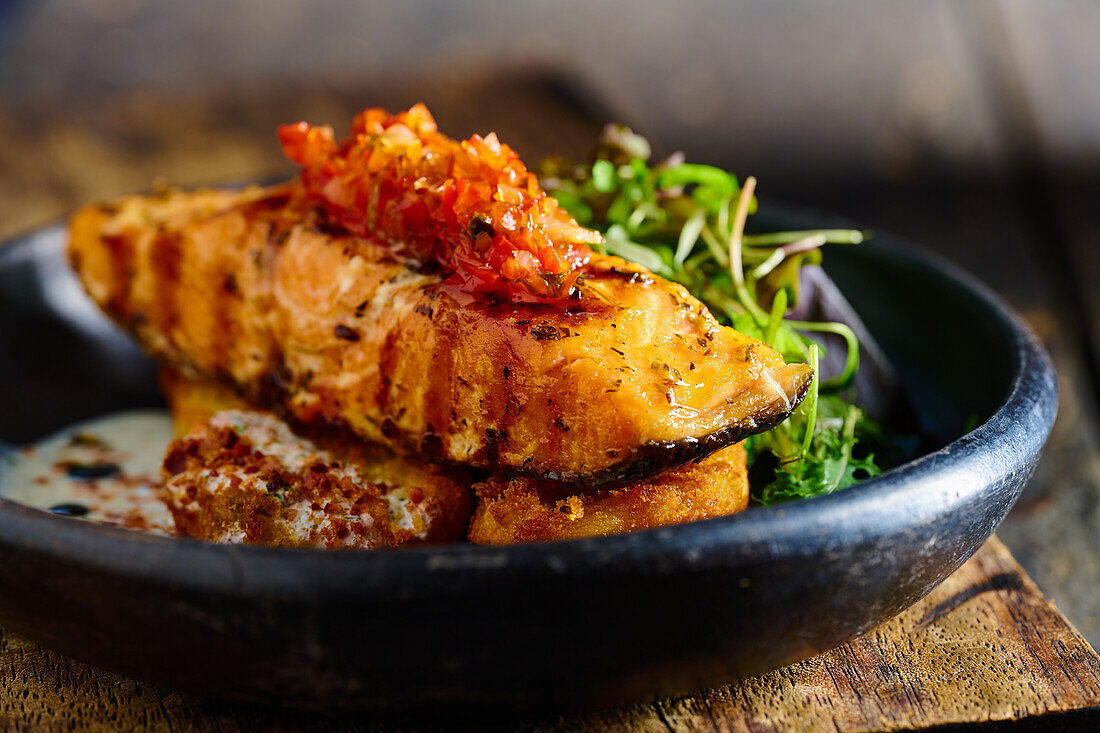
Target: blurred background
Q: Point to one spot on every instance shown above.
(972, 128)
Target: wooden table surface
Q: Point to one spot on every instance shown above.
(985, 646)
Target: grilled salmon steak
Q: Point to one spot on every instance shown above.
(257, 288)
(426, 294)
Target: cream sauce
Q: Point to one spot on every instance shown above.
(103, 470)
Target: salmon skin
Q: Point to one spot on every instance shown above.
(257, 288)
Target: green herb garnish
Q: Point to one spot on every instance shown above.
(686, 222)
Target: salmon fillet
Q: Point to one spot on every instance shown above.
(526, 510)
(257, 288)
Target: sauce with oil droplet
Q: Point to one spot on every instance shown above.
(69, 510)
(105, 470)
(92, 470)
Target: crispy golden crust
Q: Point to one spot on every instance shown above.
(194, 401)
(243, 477)
(255, 288)
(523, 510)
(448, 500)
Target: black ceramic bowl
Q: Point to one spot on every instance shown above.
(539, 627)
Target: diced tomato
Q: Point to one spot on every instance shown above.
(471, 207)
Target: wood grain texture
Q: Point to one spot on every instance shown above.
(984, 646)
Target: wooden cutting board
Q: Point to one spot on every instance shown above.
(984, 647)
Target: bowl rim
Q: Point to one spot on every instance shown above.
(906, 495)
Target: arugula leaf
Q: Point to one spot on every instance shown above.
(827, 467)
(685, 221)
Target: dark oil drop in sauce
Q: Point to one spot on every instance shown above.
(105, 470)
(92, 470)
(69, 510)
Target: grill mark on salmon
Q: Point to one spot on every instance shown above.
(120, 257)
(386, 371)
(164, 260)
(642, 374)
(442, 404)
(225, 317)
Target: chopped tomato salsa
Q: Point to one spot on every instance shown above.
(471, 207)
